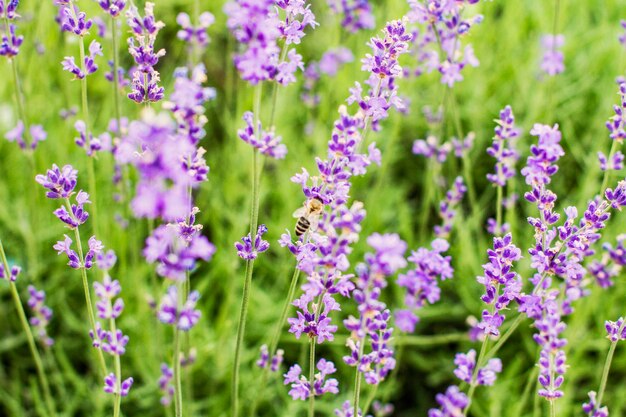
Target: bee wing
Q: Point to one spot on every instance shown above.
(315, 221)
(299, 213)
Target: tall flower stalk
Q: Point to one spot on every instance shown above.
(10, 274)
(259, 27)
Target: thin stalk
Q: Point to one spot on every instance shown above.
(499, 196)
(283, 315)
(369, 400)
(254, 218)
(607, 173)
(312, 376)
(43, 380)
(116, 81)
(474, 383)
(552, 408)
(357, 380)
(178, 395)
(283, 54)
(607, 367)
(118, 375)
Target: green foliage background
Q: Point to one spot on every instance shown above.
(506, 43)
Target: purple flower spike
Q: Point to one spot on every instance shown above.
(617, 123)
(616, 330)
(191, 34)
(592, 408)
(452, 403)
(247, 250)
(60, 183)
(267, 143)
(448, 207)
(165, 385)
(170, 311)
(75, 21)
(112, 7)
(356, 14)
(503, 148)
(302, 388)
(10, 43)
(42, 314)
(552, 61)
(111, 386)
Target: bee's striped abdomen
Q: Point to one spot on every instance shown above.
(302, 226)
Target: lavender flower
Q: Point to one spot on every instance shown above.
(452, 403)
(332, 60)
(592, 409)
(145, 78)
(502, 284)
(37, 134)
(13, 273)
(356, 14)
(616, 330)
(111, 386)
(247, 250)
(275, 362)
(447, 208)
(552, 61)
(194, 35)
(165, 384)
(617, 123)
(503, 148)
(466, 364)
(615, 164)
(170, 311)
(421, 283)
(302, 388)
(430, 148)
(60, 183)
(75, 21)
(268, 144)
(42, 314)
(112, 7)
(10, 43)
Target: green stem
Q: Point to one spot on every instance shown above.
(92, 317)
(116, 81)
(605, 372)
(474, 383)
(504, 338)
(357, 380)
(369, 400)
(118, 375)
(178, 396)
(552, 408)
(499, 196)
(43, 380)
(312, 376)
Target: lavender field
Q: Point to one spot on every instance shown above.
(312, 208)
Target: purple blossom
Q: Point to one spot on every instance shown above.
(617, 123)
(592, 408)
(75, 21)
(302, 388)
(466, 364)
(616, 330)
(332, 60)
(451, 404)
(60, 183)
(10, 43)
(13, 273)
(112, 7)
(503, 148)
(194, 35)
(37, 134)
(111, 386)
(274, 363)
(165, 385)
(356, 14)
(552, 61)
(107, 291)
(266, 142)
(247, 250)
(448, 207)
(431, 148)
(615, 164)
(421, 282)
(42, 314)
(8, 9)
(502, 283)
(174, 312)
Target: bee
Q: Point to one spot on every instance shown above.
(308, 215)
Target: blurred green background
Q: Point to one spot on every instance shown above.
(507, 45)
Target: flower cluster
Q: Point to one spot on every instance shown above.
(552, 61)
(10, 41)
(372, 324)
(165, 384)
(258, 27)
(432, 149)
(452, 403)
(88, 142)
(37, 134)
(145, 79)
(617, 123)
(302, 388)
(194, 35)
(503, 148)
(112, 7)
(13, 273)
(111, 385)
(422, 282)
(177, 247)
(266, 142)
(89, 66)
(41, 314)
(437, 45)
(356, 14)
(592, 408)
(611, 263)
(173, 312)
(502, 283)
(466, 365)
(448, 206)
(249, 250)
(275, 362)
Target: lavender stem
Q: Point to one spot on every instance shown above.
(254, 218)
(178, 397)
(474, 383)
(357, 379)
(312, 376)
(607, 367)
(43, 380)
(118, 374)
